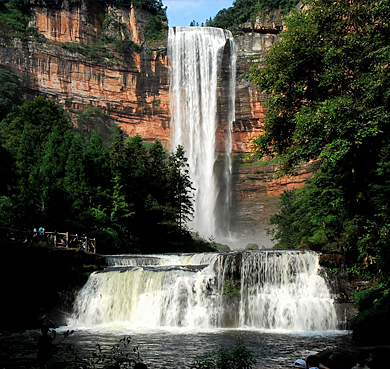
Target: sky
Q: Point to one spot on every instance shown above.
(182, 12)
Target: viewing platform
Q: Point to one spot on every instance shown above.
(56, 239)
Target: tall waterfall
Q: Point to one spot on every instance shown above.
(201, 60)
(267, 289)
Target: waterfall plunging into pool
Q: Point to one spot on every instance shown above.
(268, 289)
(202, 67)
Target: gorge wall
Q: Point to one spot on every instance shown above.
(66, 63)
(64, 59)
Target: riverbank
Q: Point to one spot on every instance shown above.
(37, 279)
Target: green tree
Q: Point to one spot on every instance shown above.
(246, 11)
(27, 194)
(7, 170)
(42, 115)
(136, 172)
(74, 179)
(8, 180)
(26, 138)
(97, 166)
(155, 28)
(328, 97)
(158, 171)
(180, 185)
(52, 171)
(14, 17)
(122, 216)
(328, 85)
(117, 151)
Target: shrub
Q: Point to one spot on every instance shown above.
(239, 357)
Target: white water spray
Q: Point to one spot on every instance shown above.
(195, 65)
(273, 290)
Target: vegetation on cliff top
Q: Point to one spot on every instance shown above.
(246, 11)
(328, 82)
(14, 17)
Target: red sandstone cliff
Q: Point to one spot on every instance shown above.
(133, 88)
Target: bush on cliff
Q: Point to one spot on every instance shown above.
(246, 11)
(14, 17)
(239, 357)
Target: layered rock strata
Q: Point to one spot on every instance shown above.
(67, 63)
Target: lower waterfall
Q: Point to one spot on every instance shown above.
(266, 289)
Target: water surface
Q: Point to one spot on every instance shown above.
(177, 348)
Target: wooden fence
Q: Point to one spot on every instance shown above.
(56, 239)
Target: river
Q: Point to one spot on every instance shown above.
(177, 307)
(177, 348)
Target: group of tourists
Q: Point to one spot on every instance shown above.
(38, 231)
(313, 362)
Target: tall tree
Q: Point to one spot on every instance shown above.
(74, 180)
(98, 170)
(158, 171)
(180, 185)
(117, 151)
(27, 192)
(51, 174)
(10, 93)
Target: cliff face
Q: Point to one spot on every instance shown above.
(251, 47)
(133, 88)
(254, 187)
(67, 63)
(255, 197)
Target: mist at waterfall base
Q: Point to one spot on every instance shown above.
(176, 307)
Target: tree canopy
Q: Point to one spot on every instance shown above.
(246, 11)
(115, 189)
(328, 86)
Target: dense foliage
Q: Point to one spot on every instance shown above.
(14, 17)
(130, 196)
(246, 11)
(328, 82)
